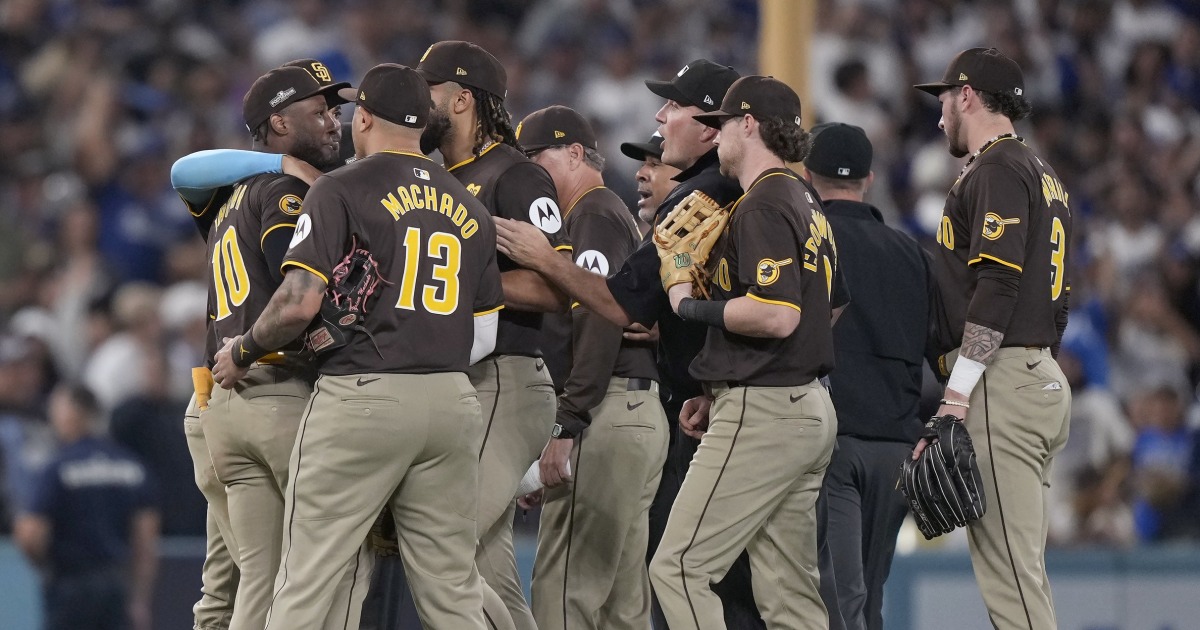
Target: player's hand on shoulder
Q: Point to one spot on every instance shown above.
(224, 372)
(693, 418)
(522, 242)
(300, 169)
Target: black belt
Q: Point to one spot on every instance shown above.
(640, 385)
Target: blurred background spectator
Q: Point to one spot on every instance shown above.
(102, 276)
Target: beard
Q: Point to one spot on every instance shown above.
(436, 130)
(312, 150)
(956, 144)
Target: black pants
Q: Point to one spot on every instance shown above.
(735, 591)
(864, 512)
(94, 600)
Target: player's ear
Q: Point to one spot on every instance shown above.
(709, 134)
(363, 120)
(576, 153)
(463, 101)
(278, 124)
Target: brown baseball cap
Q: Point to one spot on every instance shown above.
(640, 150)
(464, 63)
(700, 83)
(759, 96)
(985, 69)
(555, 126)
(393, 92)
(275, 90)
(329, 87)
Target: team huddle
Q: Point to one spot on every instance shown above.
(402, 353)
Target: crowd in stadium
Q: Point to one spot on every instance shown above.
(102, 273)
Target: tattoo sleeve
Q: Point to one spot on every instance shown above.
(292, 307)
(979, 343)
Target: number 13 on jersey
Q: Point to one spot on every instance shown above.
(439, 297)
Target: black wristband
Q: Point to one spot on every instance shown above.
(246, 351)
(711, 312)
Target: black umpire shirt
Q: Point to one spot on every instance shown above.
(879, 340)
(638, 288)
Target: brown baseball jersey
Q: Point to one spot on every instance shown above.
(603, 234)
(513, 187)
(1009, 208)
(244, 272)
(436, 249)
(778, 249)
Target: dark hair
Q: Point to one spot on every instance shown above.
(1013, 106)
(259, 133)
(784, 138)
(494, 122)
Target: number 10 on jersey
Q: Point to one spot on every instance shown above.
(440, 296)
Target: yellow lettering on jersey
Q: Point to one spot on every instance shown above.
(418, 201)
(819, 227)
(405, 199)
(233, 203)
(723, 275)
(393, 206)
(431, 198)
(1052, 190)
(447, 205)
(810, 253)
(474, 189)
(945, 233)
(470, 229)
(460, 215)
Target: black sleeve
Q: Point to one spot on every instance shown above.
(638, 288)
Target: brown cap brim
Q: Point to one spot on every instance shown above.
(934, 88)
(335, 91)
(714, 119)
(431, 77)
(347, 94)
(667, 90)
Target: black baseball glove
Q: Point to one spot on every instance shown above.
(344, 309)
(943, 485)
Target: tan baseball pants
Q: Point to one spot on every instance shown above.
(219, 577)
(752, 485)
(518, 411)
(590, 569)
(1019, 419)
(410, 441)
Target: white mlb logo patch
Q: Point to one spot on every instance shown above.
(421, 174)
(843, 171)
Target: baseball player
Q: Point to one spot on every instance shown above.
(205, 182)
(655, 180)
(590, 569)
(634, 294)
(474, 133)
(879, 344)
(394, 399)
(769, 425)
(1002, 271)
(250, 432)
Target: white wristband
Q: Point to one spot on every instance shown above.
(965, 374)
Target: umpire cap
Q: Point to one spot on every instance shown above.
(464, 63)
(985, 69)
(839, 151)
(640, 150)
(761, 97)
(700, 83)
(555, 126)
(321, 73)
(394, 93)
(274, 91)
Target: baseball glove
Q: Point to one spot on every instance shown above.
(943, 486)
(382, 536)
(354, 281)
(686, 237)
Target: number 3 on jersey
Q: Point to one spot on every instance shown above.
(230, 279)
(446, 249)
(1058, 238)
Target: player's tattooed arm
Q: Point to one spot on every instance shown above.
(293, 306)
(980, 343)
